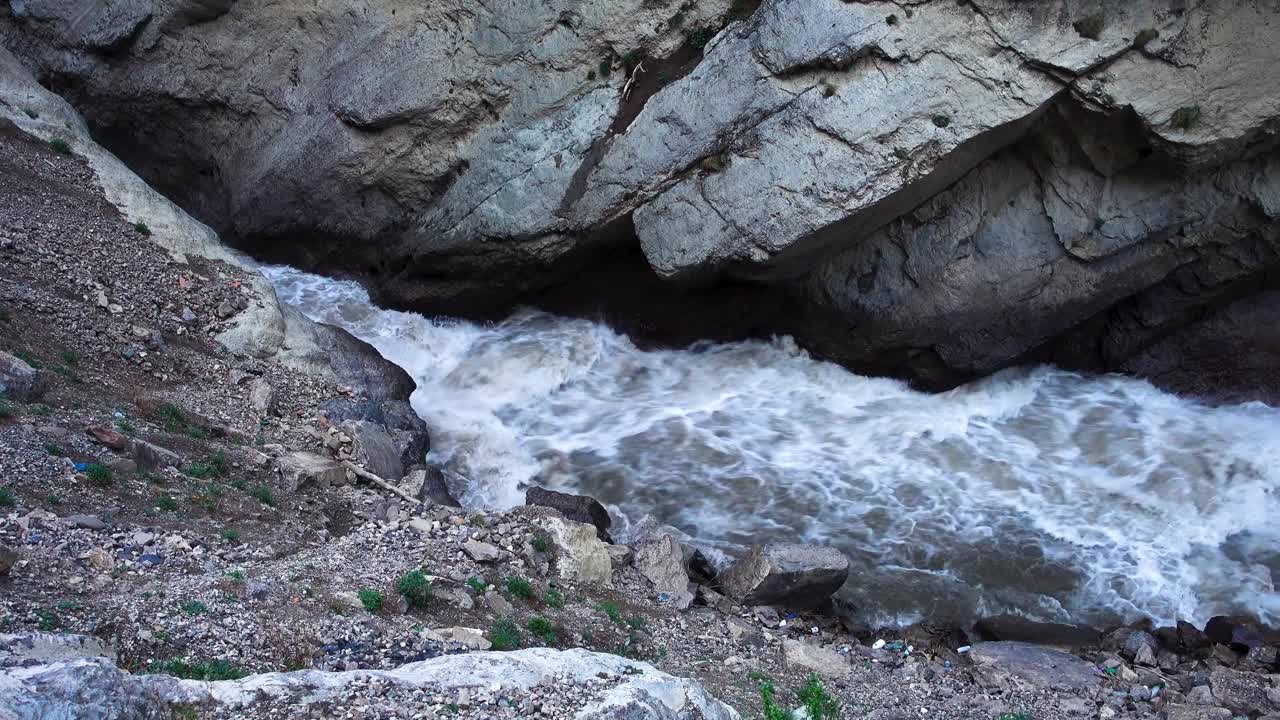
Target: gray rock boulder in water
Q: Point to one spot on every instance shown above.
(80, 686)
(787, 574)
(579, 508)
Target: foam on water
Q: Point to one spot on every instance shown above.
(1039, 491)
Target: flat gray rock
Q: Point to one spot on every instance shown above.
(999, 662)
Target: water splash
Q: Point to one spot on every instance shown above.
(1058, 496)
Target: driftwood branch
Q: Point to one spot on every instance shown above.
(631, 81)
(361, 472)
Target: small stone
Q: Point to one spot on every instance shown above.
(8, 558)
(808, 657)
(100, 559)
(1145, 656)
(123, 466)
(108, 437)
(225, 309)
(498, 604)
(88, 522)
(480, 551)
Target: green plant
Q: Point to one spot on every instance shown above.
(126, 427)
(39, 410)
(543, 628)
(142, 229)
(941, 120)
(817, 702)
(209, 670)
(415, 588)
(236, 575)
(698, 39)
(1145, 36)
(1090, 26)
(64, 371)
(29, 359)
(539, 543)
(519, 587)
(54, 450)
(69, 358)
(53, 499)
(631, 60)
(200, 471)
(6, 410)
(46, 620)
(554, 598)
(194, 607)
(1015, 716)
(1185, 117)
(99, 474)
(171, 418)
(231, 535)
(476, 584)
(262, 494)
(6, 498)
(371, 599)
(591, 75)
(166, 503)
(636, 623)
(31, 113)
(504, 635)
(60, 146)
(70, 605)
(238, 484)
(768, 705)
(196, 433)
(610, 608)
(605, 67)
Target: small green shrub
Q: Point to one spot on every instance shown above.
(504, 635)
(29, 359)
(543, 628)
(99, 474)
(46, 620)
(6, 498)
(477, 584)
(196, 433)
(236, 575)
(539, 543)
(262, 494)
(941, 120)
(69, 358)
(200, 471)
(519, 587)
(166, 503)
(371, 599)
(1185, 117)
(631, 60)
(605, 67)
(211, 670)
(142, 229)
(1090, 26)
(231, 535)
(591, 75)
(31, 113)
(126, 427)
(6, 410)
(636, 623)
(1015, 716)
(415, 588)
(554, 598)
(194, 607)
(610, 608)
(53, 499)
(698, 39)
(1145, 36)
(55, 450)
(817, 701)
(171, 418)
(237, 484)
(60, 146)
(39, 410)
(768, 705)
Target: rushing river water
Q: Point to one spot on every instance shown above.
(1054, 495)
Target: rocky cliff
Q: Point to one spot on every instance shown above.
(930, 189)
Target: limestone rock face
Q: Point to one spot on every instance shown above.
(936, 191)
(579, 554)
(18, 380)
(67, 678)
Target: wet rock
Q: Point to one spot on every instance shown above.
(997, 662)
(89, 522)
(620, 555)
(429, 486)
(8, 558)
(794, 575)
(108, 437)
(153, 457)
(1241, 692)
(579, 508)
(579, 553)
(299, 469)
(1237, 635)
(19, 381)
(1012, 627)
(1137, 641)
(660, 557)
(807, 657)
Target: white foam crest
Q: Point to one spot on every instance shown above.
(1060, 496)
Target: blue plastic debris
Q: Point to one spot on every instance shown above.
(81, 467)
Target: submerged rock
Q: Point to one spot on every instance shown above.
(792, 575)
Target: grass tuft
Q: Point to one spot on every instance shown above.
(1145, 36)
(142, 229)
(371, 599)
(610, 608)
(504, 635)
(165, 503)
(99, 474)
(263, 494)
(209, 670)
(1090, 26)
(60, 146)
(543, 628)
(6, 498)
(415, 588)
(519, 587)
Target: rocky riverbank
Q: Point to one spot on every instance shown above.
(210, 507)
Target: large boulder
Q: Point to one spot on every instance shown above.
(74, 683)
(788, 574)
(1019, 663)
(1013, 627)
(429, 486)
(18, 380)
(579, 508)
(579, 554)
(300, 469)
(373, 448)
(1242, 692)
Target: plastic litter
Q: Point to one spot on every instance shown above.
(877, 644)
(81, 467)
(963, 649)
(946, 664)
(814, 630)
(663, 597)
(895, 646)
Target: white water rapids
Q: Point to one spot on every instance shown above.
(1042, 492)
